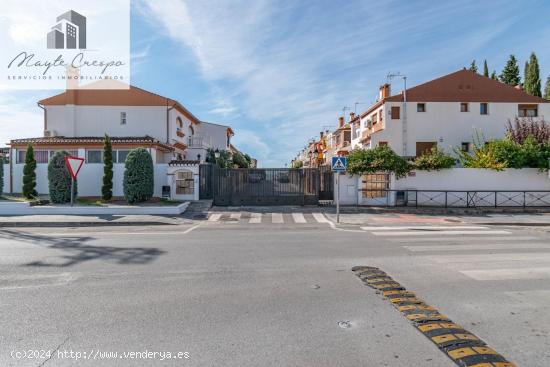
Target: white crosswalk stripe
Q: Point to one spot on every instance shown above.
(236, 216)
(458, 239)
(480, 246)
(255, 218)
(430, 228)
(439, 233)
(320, 218)
(298, 218)
(277, 218)
(214, 217)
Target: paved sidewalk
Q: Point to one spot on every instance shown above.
(89, 220)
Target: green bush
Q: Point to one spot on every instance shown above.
(138, 176)
(107, 187)
(379, 159)
(59, 179)
(434, 160)
(240, 160)
(29, 174)
(223, 161)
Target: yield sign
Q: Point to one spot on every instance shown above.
(74, 164)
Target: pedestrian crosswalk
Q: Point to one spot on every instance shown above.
(479, 253)
(268, 218)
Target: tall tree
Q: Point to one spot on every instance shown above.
(494, 75)
(29, 174)
(2, 161)
(473, 66)
(510, 73)
(547, 89)
(532, 77)
(107, 188)
(526, 72)
(485, 69)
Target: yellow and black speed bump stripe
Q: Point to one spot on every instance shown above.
(463, 347)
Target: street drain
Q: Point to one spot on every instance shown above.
(461, 346)
(344, 324)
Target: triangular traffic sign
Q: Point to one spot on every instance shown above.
(338, 164)
(73, 164)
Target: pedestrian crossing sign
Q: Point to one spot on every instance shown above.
(339, 164)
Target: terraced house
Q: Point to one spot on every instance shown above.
(448, 112)
(78, 119)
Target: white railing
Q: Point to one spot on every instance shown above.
(199, 142)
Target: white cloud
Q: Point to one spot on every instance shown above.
(19, 117)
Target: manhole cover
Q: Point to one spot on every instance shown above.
(344, 324)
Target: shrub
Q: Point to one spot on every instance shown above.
(521, 129)
(59, 179)
(29, 174)
(107, 188)
(138, 176)
(223, 161)
(434, 160)
(382, 158)
(240, 160)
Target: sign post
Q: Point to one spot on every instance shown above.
(338, 165)
(73, 164)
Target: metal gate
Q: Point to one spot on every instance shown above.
(205, 181)
(326, 183)
(269, 186)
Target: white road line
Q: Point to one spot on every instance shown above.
(214, 217)
(236, 216)
(372, 228)
(320, 218)
(436, 233)
(509, 274)
(481, 246)
(153, 233)
(490, 259)
(298, 218)
(255, 218)
(465, 239)
(277, 218)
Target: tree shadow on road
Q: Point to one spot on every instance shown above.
(78, 251)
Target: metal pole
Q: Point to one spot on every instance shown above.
(337, 197)
(72, 191)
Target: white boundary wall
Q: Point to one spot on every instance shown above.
(456, 179)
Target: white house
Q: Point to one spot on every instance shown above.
(448, 112)
(78, 119)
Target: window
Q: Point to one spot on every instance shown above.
(94, 156)
(424, 146)
(123, 118)
(191, 130)
(420, 107)
(184, 183)
(381, 116)
(528, 110)
(121, 155)
(383, 144)
(395, 113)
(374, 119)
(464, 107)
(21, 156)
(483, 108)
(41, 156)
(465, 146)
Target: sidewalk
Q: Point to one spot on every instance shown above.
(89, 220)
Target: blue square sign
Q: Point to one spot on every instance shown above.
(339, 164)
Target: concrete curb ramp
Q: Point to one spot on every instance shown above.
(461, 346)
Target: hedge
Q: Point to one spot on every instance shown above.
(59, 179)
(139, 180)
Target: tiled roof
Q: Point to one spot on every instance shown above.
(62, 140)
(466, 86)
(183, 162)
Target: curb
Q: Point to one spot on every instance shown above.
(82, 224)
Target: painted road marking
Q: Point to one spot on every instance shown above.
(235, 216)
(298, 218)
(214, 217)
(459, 239)
(255, 218)
(490, 259)
(509, 274)
(391, 228)
(277, 218)
(481, 246)
(436, 233)
(320, 218)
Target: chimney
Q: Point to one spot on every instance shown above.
(340, 121)
(385, 91)
(519, 87)
(351, 116)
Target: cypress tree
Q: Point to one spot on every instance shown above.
(532, 77)
(510, 73)
(526, 77)
(29, 174)
(473, 66)
(107, 188)
(485, 69)
(547, 89)
(494, 75)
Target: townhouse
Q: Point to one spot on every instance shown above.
(78, 119)
(447, 112)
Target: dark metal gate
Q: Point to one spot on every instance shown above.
(205, 181)
(326, 183)
(269, 186)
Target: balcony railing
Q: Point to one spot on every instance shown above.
(199, 142)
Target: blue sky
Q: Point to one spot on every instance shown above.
(280, 71)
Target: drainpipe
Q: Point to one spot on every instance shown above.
(45, 115)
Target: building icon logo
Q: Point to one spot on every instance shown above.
(69, 32)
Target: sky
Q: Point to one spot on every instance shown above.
(279, 72)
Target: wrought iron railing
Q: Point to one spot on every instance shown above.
(456, 198)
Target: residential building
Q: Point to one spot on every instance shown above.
(447, 112)
(78, 119)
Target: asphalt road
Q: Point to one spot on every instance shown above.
(232, 293)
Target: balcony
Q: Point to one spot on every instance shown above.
(199, 142)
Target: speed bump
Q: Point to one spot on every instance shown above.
(460, 345)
